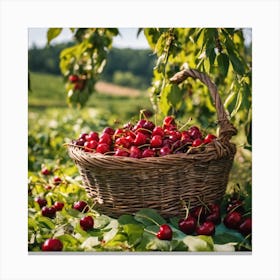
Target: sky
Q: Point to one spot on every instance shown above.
(128, 38)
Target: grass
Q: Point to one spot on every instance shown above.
(47, 91)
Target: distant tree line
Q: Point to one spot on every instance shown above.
(127, 67)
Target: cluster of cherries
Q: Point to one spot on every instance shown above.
(144, 139)
(86, 223)
(203, 219)
(79, 82)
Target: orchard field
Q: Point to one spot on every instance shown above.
(55, 180)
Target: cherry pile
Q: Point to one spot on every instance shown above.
(144, 139)
(203, 219)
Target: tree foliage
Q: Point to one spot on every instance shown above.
(221, 53)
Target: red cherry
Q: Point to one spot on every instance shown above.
(156, 141)
(81, 206)
(135, 152)
(79, 142)
(149, 126)
(57, 180)
(232, 220)
(214, 217)
(41, 201)
(187, 225)
(140, 139)
(83, 136)
(121, 153)
(197, 142)
(48, 211)
(207, 228)
(102, 148)
(158, 130)
(73, 78)
(165, 232)
(45, 171)
(58, 205)
(118, 133)
(199, 213)
(87, 223)
(148, 153)
(52, 244)
(92, 136)
(236, 205)
(108, 130)
(90, 146)
(195, 133)
(209, 138)
(124, 142)
(245, 227)
(165, 150)
(168, 120)
(105, 138)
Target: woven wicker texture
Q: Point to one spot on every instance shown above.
(123, 185)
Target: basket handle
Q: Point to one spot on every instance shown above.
(227, 130)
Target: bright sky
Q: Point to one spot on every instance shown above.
(128, 38)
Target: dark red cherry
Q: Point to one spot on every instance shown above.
(81, 206)
(165, 232)
(232, 220)
(245, 227)
(87, 223)
(206, 228)
(52, 244)
(187, 225)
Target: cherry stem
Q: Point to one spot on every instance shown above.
(185, 124)
(203, 203)
(149, 231)
(145, 129)
(148, 218)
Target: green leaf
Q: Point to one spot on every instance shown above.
(237, 104)
(223, 63)
(175, 95)
(236, 63)
(127, 219)
(200, 243)
(134, 233)
(53, 33)
(45, 222)
(148, 217)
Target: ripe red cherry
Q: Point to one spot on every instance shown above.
(148, 153)
(235, 205)
(156, 141)
(83, 136)
(80, 142)
(52, 244)
(109, 130)
(168, 120)
(81, 206)
(149, 126)
(207, 228)
(92, 136)
(197, 142)
(102, 148)
(199, 213)
(124, 142)
(57, 180)
(214, 217)
(140, 139)
(45, 171)
(187, 225)
(245, 227)
(41, 201)
(165, 232)
(73, 78)
(48, 211)
(90, 146)
(135, 152)
(165, 150)
(209, 138)
(105, 138)
(121, 153)
(86, 223)
(158, 130)
(58, 205)
(232, 220)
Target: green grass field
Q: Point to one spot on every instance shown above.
(47, 91)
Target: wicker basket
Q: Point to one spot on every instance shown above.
(121, 185)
